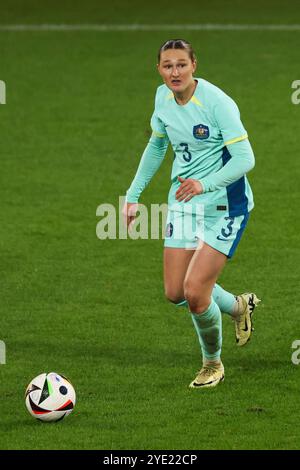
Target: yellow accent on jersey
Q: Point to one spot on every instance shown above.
(193, 99)
(196, 101)
(158, 134)
(238, 139)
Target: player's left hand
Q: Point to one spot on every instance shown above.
(188, 189)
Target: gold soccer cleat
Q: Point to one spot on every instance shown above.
(209, 376)
(243, 322)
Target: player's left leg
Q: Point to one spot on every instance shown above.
(243, 318)
(177, 255)
(203, 271)
(224, 233)
(226, 300)
(240, 308)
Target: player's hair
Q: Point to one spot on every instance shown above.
(177, 44)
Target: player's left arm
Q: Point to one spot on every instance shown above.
(242, 161)
(235, 138)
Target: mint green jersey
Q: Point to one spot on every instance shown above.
(199, 133)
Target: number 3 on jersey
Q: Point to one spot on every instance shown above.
(186, 154)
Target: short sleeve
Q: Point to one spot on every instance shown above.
(229, 122)
(158, 127)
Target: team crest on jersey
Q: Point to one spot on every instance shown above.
(201, 132)
(169, 230)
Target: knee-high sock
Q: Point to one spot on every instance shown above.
(225, 300)
(209, 329)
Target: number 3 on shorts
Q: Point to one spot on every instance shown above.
(226, 232)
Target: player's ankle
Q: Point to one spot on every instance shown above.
(211, 362)
(237, 308)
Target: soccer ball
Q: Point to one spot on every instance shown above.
(50, 397)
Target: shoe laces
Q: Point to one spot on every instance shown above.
(251, 304)
(207, 370)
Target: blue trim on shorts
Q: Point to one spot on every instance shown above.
(238, 235)
(236, 192)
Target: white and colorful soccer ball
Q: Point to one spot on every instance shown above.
(50, 397)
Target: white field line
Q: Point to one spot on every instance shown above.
(150, 27)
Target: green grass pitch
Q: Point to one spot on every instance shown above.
(72, 132)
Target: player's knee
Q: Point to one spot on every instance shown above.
(173, 295)
(197, 300)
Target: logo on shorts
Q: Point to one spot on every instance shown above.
(222, 239)
(169, 230)
(201, 132)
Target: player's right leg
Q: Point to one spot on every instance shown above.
(180, 245)
(176, 262)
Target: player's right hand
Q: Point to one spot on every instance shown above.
(129, 213)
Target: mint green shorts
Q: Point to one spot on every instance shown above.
(220, 231)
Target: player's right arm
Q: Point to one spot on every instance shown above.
(150, 162)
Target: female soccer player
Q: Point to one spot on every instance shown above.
(209, 199)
